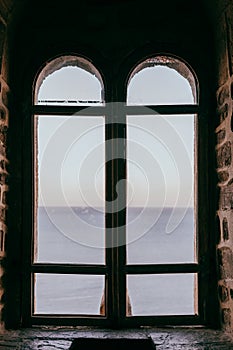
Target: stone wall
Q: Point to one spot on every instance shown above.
(4, 164)
(223, 25)
(4, 117)
(224, 148)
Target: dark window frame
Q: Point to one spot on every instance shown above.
(116, 275)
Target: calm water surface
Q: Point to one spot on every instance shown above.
(76, 235)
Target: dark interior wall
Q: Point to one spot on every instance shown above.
(115, 36)
(108, 32)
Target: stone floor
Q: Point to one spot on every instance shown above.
(164, 339)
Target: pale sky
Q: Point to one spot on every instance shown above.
(160, 149)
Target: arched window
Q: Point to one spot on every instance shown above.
(115, 236)
(68, 190)
(161, 148)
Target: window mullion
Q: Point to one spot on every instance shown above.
(121, 210)
(109, 215)
(116, 210)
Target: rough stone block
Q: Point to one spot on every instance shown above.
(223, 176)
(3, 179)
(224, 155)
(3, 114)
(221, 136)
(226, 198)
(223, 293)
(2, 214)
(5, 95)
(225, 260)
(223, 95)
(3, 134)
(225, 229)
(223, 113)
(4, 198)
(218, 230)
(2, 150)
(226, 318)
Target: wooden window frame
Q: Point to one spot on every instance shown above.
(115, 270)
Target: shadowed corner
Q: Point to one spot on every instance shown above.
(112, 344)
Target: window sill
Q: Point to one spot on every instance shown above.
(174, 338)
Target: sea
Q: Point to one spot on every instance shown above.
(76, 235)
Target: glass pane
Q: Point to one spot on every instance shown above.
(160, 167)
(69, 80)
(161, 81)
(68, 294)
(69, 189)
(162, 294)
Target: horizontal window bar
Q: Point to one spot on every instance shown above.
(162, 109)
(41, 102)
(126, 322)
(162, 269)
(129, 269)
(68, 316)
(162, 320)
(106, 110)
(64, 320)
(68, 110)
(70, 269)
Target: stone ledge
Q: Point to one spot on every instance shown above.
(163, 338)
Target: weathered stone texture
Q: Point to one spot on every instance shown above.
(223, 113)
(223, 176)
(223, 293)
(218, 229)
(169, 339)
(226, 318)
(224, 155)
(4, 122)
(223, 95)
(221, 136)
(226, 198)
(225, 260)
(224, 159)
(225, 229)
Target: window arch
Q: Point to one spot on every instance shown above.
(171, 66)
(105, 179)
(66, 70)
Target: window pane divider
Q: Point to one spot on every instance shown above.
(72, 320)
(92, 111)
(162, 268)
(177, 320)
(70, 269)
(162, 109)
(87, 111)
